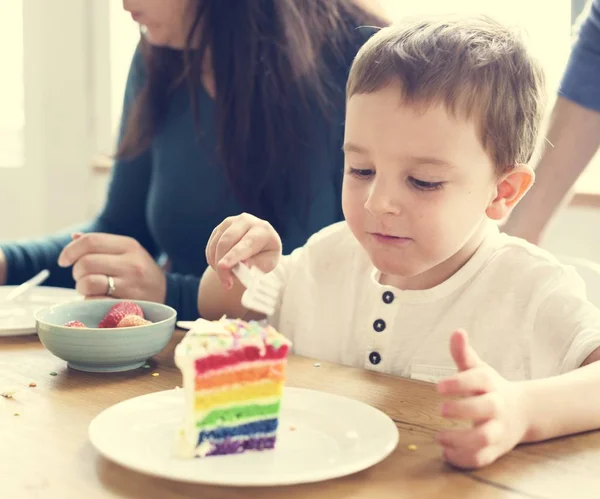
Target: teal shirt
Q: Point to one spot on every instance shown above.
(581, 79)
(171, 197)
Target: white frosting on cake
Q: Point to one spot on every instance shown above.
(213, 337)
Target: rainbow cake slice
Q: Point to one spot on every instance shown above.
(233, 375)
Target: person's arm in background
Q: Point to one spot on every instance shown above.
(124, 213)
(2, 268)
(572, 139)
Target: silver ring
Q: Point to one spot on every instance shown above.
(111, 286)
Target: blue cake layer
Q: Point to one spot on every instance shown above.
(249, 429)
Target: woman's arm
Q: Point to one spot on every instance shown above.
(573, 137)
(571, 400)
(2, 268)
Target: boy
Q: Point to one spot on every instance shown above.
(441, 121)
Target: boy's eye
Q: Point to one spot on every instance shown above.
(425, 186)
(362, 173)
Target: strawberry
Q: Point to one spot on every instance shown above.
(132, 320)
(118, 311)
(75, 324)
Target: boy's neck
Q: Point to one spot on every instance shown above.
(442, 272)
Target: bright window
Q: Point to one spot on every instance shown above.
(12, 116)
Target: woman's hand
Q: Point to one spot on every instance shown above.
(97, 256)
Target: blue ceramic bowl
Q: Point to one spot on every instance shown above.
(104, 350)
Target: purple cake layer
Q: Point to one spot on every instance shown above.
(237, 446)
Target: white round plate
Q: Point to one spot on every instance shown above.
(18, 317)
(185, 324)
(321, 436)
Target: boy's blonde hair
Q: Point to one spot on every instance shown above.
(475, 66)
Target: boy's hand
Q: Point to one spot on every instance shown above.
(243, 238)
(492, 404)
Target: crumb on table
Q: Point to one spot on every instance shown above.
(292, 427)
(53, 373)
(412, 447)
(32, 385)
(317, 364)
(155, 374)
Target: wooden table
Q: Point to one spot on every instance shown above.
(45, 452)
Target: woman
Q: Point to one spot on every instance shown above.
(229, 107)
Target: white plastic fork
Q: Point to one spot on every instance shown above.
(28, 285)
(262, 291)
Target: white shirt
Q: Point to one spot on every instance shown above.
(526, 314)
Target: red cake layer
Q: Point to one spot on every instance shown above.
(246, 354)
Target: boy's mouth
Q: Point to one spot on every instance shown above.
(390, 239)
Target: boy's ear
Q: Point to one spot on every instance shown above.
(510, 189)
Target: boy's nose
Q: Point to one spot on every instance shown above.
(383, 199)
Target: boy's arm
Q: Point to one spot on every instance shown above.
(593, 357)
(241, 238)
(565, 404)
(561, 398)
(214, 300)
(566, 343)
(504, 413)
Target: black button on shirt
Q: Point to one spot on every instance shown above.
(374, 358)
(379, 325)
(388, 297)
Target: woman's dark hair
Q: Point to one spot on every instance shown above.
(273, 62)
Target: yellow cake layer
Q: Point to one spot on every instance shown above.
(239, 393)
